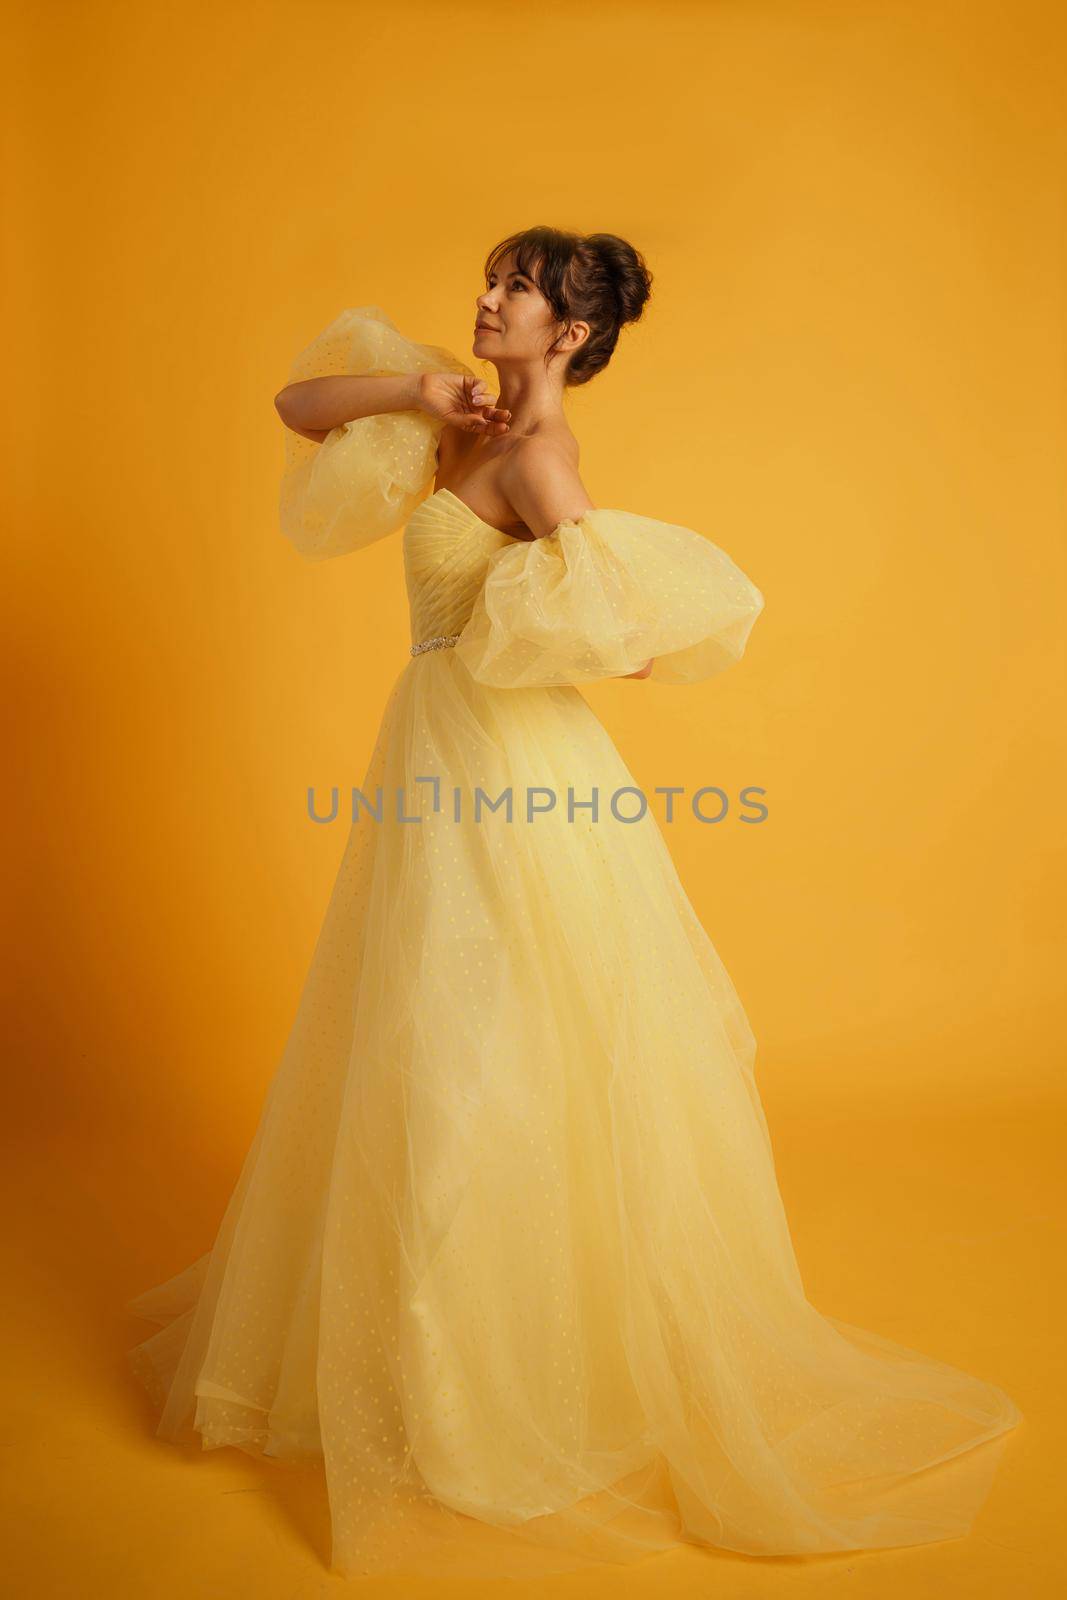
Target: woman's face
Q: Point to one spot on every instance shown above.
(515, 322)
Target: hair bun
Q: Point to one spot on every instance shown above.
(626, 270)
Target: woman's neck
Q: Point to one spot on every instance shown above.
(532, 397)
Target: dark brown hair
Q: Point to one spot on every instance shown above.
(593, 277)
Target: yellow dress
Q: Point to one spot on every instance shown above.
(507, 1258)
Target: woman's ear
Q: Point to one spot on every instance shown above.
(575, 335)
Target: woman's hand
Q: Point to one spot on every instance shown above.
(642, 673)
(461, 402)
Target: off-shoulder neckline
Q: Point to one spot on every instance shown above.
(452, 495)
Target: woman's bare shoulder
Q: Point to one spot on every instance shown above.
(541, 480)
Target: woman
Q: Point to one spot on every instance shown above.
(507, 1255)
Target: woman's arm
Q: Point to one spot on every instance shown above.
(543, 485)
(316, 405)
(545, 488)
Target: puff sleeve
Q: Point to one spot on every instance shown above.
(367, 476)
(598, 596)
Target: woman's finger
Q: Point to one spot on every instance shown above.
(480, 424)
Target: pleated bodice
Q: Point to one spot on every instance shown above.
(446, 556)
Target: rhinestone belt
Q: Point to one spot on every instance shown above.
(437, 643)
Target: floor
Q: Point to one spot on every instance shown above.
(942, 1232)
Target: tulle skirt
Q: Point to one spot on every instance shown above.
(507, 1257)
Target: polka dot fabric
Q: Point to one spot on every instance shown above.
(507, 1260)
(600, 596)
(367, 476)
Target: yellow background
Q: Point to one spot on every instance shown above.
(850, 376)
